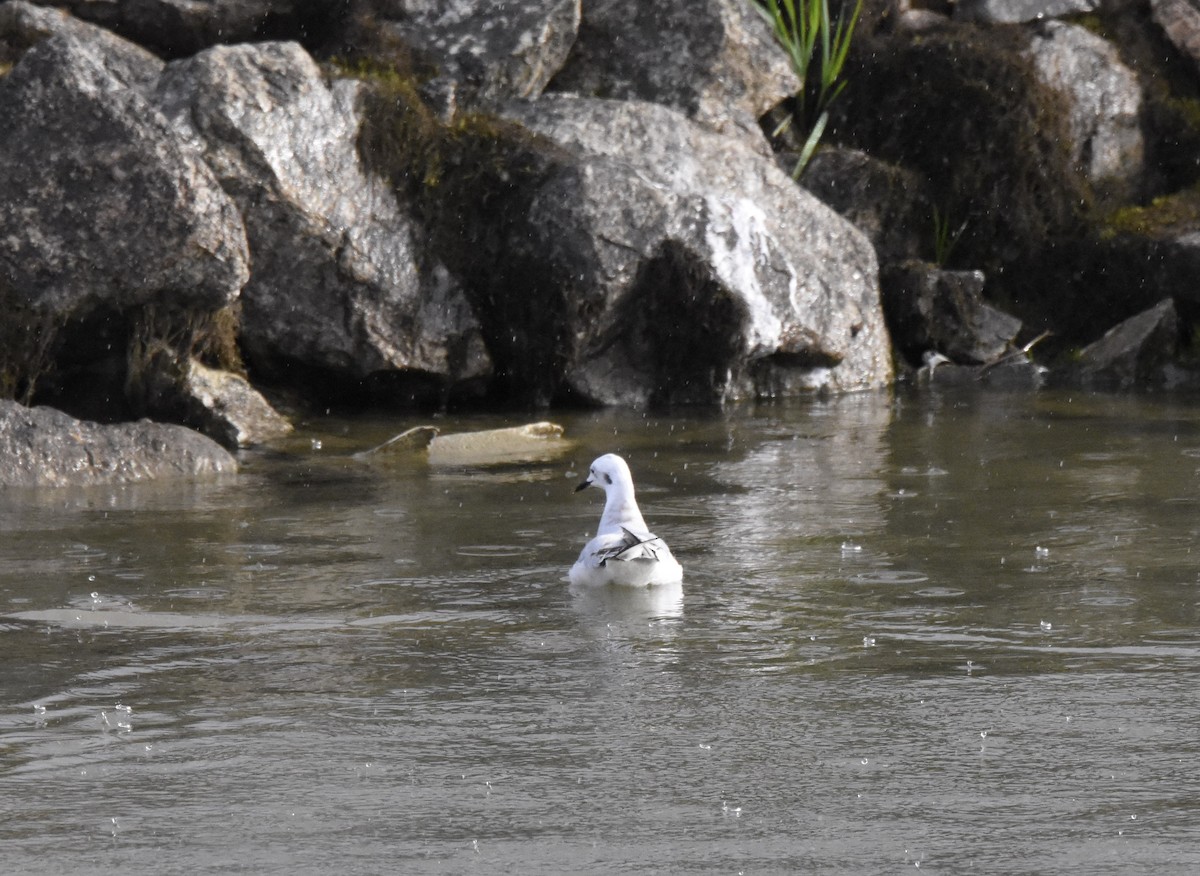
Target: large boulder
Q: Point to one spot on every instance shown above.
(101, 203)
(714, 60)
(42, 447)
(1104, 101)
(341, 282)
(700, 271)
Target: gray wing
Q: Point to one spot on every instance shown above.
(629, 547)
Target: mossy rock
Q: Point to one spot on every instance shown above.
(1165, 216)
(964, 107)
(470, 181)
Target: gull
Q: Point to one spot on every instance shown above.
(624, 551)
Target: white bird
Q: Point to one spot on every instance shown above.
(624, 551)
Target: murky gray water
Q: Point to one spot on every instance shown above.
(941, 632)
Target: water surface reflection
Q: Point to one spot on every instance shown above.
(947, 630)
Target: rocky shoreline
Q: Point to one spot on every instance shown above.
(549, 202)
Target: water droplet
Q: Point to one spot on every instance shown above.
(316, 444)
(1046, 625)
(1041, 551)
(868, 641)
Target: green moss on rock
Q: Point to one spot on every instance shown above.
(964, 107)
(470, 182)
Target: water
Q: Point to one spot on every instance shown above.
(942, 632)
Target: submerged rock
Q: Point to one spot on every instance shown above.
(341, 282)
(42, 447)
(533, 442)
(699, 271)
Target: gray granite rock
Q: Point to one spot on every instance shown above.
(1135, 351)
(714, 60)
(42, 447)
(101, 203)
(701, 272)
(1104, 101)
(341, 281)
(929, 308)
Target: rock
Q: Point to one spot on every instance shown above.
(341, 281)
(101, 204)
(1135, 351)
(483, 51)
(227, 408)
(1180, 21)
(714, 60)
(928, 308)
(1013, 373)
(1104, 101)
(24, 25)
(533, 442)
(1016, 11)
(42, 447)
(700, 272)
(890, 204)
(184, 27)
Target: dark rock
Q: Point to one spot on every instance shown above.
(888, 203)
(1104, 101)
(1014, 11)
(928, 308)
(1134, 352)
(964, 108)
(699, 271)
(482, 51)
(42, 447)
(1016, 372)
(715, 60)
(100, 201)
(341, 282)
(24, 25)
(183, 27)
